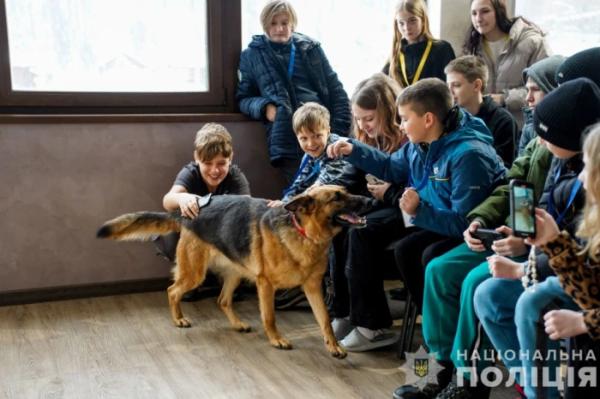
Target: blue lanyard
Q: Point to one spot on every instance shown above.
(424, 179)
(552, 207)
(292, 59)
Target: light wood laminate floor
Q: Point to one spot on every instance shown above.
(126, 347)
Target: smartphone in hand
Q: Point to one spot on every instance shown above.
(522, 208)
(372, 179)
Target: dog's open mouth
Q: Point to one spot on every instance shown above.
(351, 220)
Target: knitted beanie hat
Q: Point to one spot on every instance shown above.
(564, 114)
(543, 72)
(584, 64)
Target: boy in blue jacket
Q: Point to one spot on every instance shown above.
(448, 167)
(312, 129)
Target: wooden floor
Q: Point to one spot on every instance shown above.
(126, 347)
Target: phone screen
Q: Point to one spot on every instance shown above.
(523, 209)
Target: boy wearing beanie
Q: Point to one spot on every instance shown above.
(584, 64)
(539, 80)
(566, 113)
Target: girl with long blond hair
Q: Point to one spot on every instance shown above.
(416, 54)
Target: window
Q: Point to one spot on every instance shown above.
(356, 35)
(571, 26)
(157, 54)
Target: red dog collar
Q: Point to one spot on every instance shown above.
(300, 229)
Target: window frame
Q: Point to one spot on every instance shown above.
(224, 46)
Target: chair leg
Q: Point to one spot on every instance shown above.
(405, 326)
(411, 327)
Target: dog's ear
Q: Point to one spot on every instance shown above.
(303, 203)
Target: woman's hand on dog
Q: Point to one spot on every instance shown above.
(188, 204)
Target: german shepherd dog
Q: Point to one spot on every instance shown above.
(241, 237)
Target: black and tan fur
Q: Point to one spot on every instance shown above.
(240, 237)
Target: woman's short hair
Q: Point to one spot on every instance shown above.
(276, 7)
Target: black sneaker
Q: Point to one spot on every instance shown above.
(287, 299)
(452, 391)
(429, 391)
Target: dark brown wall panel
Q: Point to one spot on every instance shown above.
(61, 181)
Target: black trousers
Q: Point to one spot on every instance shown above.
(412, 254)
(585, 352)
(288, 168)
(359, 263)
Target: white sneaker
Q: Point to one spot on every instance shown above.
(341, 328)
(357, 342)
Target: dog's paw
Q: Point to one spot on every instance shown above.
(337, 352)
(243, 327)
(182, 323)
(281, 343)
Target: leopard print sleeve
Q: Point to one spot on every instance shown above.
(563, 253)
(579, 279)
(591, 318)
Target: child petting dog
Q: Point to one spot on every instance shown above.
(211, 172)
(312, 128)
(311, 125)
(241, 238)
(448, 167)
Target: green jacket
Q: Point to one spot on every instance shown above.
(532, 166)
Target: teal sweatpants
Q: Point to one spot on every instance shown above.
(450, 326)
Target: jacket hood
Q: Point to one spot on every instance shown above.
(543, 72)
(488, 105)
(521, 30)
(301, 40)
(469, 128)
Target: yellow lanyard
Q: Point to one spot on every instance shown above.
(419, 68)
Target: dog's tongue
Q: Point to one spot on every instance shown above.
(351, 218)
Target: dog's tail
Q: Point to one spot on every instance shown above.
(139, 226)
